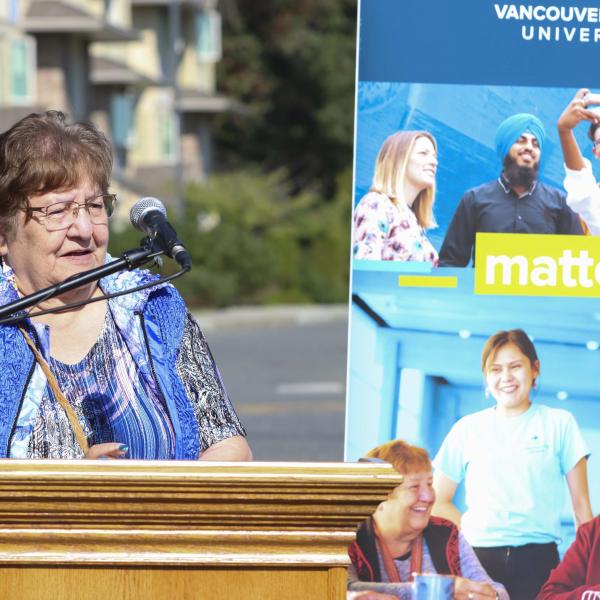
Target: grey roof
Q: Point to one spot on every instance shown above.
(106, 71)
(54, 16)
(192, 101)
(184, 3)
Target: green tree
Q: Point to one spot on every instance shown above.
(274, 225)
(292, 63)
(253, 241)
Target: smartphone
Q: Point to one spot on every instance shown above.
(592, 100)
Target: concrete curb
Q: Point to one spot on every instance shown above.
(238, 317)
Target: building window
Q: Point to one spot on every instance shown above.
(165, 47)
(111, 11)
(208, 36)
(13, 11)
(77, 76)
(121, 115)
(167, 134)
(22, 69)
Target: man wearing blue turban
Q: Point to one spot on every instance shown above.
(516, 202)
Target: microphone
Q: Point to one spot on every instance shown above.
(150, 216)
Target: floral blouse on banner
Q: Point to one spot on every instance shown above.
(387, 230)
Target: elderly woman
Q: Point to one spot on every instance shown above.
(514, 458)
(402, 538)
(390, 222)
(126, 377)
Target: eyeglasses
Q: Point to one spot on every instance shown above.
(61, 215)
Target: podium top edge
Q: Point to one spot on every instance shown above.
(10, 468)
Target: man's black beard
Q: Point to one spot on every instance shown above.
(519, 176)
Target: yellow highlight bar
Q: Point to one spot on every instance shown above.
(537, 265)
(428, 281)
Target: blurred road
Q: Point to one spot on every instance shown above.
(285, 370)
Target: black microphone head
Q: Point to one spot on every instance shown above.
(143, 207)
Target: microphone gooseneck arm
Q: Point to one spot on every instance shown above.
(130, 259)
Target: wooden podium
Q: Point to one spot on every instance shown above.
(129, 530)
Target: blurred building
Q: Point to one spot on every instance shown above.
(144, 71)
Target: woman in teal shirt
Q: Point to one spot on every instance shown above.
(514, 458)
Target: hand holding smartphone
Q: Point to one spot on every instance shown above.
(591, 99)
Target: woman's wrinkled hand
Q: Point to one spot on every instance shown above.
(107, 450)
(467, 589)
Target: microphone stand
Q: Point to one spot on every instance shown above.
(130, 259)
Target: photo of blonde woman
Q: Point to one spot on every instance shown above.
(391, 220)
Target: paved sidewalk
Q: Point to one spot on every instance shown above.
(239, 317)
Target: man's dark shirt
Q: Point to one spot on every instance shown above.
(493, 207)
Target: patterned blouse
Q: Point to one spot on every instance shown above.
(115, 404)
(384, 230)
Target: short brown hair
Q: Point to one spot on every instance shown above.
(512, 336)
(43, 152)
(404, 457)
(390, 169)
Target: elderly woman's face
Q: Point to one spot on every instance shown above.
(410, 503)
(41, 258)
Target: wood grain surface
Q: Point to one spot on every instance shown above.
(160, 529)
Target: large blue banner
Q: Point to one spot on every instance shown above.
(480, 42)
(435, 163)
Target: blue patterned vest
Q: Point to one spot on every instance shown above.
(151, 322)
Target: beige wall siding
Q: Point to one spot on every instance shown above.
(58, 78)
